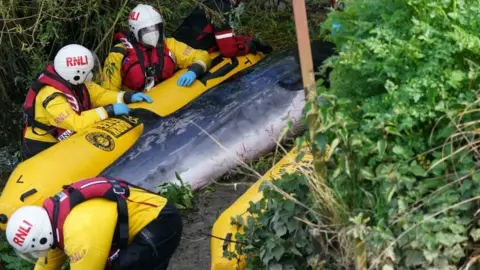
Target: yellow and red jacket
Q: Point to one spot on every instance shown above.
(54, 109)
(129, 62)
(87, 228)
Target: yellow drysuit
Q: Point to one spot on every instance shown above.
(59, 113)
(89, 228)
(122, 54)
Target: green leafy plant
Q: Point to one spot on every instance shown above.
(9, 259)
(402, 123)
(275, 235)
(180, 195)
(12, 261)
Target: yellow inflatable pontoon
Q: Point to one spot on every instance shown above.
(169, 98)
(83, 155)
(89, 152)
(222, 227)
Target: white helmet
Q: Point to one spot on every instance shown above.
(146, 24)
(75, 64)
(29, 232)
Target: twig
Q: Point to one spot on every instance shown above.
(113, 25)
(471, 262)
(37, 22)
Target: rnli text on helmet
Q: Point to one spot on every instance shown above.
(22, 233)
(77, 61)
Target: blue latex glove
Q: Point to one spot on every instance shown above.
(120, 108)
(137, 97)
(187, 78)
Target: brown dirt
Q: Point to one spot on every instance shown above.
(194, 249)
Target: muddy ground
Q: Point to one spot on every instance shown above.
(194, 249)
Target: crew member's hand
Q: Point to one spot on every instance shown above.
(137, 97)
(187, 78)
(120, 108)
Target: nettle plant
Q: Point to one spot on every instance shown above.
(275, 234)
(402, 121)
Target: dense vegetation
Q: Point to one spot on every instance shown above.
(402, 123)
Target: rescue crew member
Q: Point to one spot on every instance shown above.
(143, 57)
(99, 223)
(64, 100)
(198, 31)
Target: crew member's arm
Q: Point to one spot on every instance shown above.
(231, 45)
(55, 260)
(88, 233)
(111, 74)
(197, 61)
(100, 96)
(60, 113)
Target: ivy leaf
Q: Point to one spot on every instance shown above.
(321, 141)
(417, 170)
(400, 151)
(457, 228)
(430, 256)
(299, 156)
(267, 257)
(278, 251)
(402, 206)
(281, 230)
(456, 252)
(333, 146)
(391, 193)
(475, 234)
(250, 221)
(240, 220)
(276, 266)
(445, 132)
(393, 130)
(262, 253)
(270, 244)
(449, 239)
(264, 220)
(299, 142)
(381, 146)
(292, 224)
(300, 244)
(367, 173)
(476, 177)
(289, 205)
(413, 258)
(295, 251)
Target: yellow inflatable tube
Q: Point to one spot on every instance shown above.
(44, 174)
(100, 145)
(169, 98)
(222, 227)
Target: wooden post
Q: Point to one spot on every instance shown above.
(308, 78)
(304, 49)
